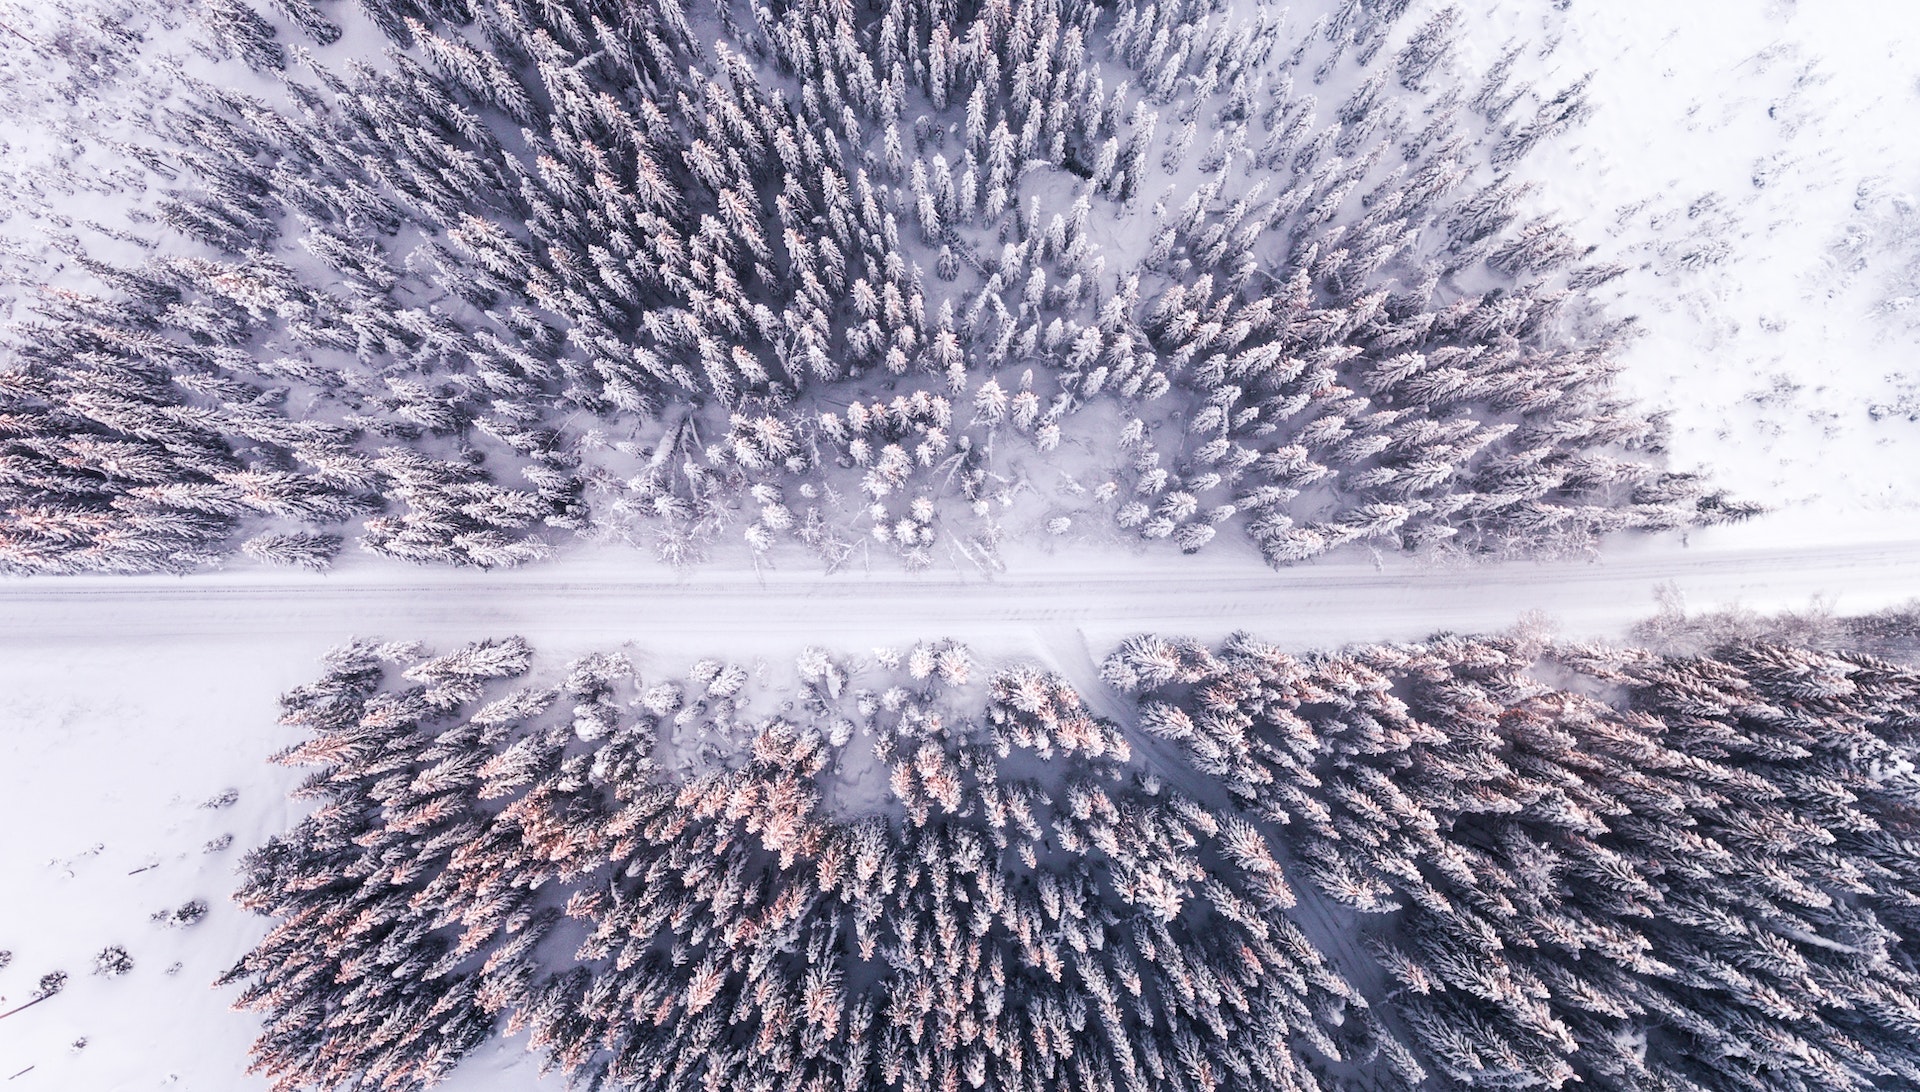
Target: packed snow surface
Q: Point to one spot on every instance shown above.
(1321, 605)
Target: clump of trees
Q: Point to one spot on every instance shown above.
(826, 276)
(1027, 911)
(1700, 880)
(1421, 864)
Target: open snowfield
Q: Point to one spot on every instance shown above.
(1753, 167)
(1751, 163)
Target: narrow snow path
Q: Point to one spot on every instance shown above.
(589, 600)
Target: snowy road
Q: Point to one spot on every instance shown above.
(601, 600)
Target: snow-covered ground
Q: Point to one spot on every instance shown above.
(1752, 164)
(119, 759)
(1749, 161)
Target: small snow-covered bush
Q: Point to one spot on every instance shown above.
(183, 916)
(112, 962)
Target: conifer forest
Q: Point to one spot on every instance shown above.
(1655, 872)
(951, 545)
(831, 279)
